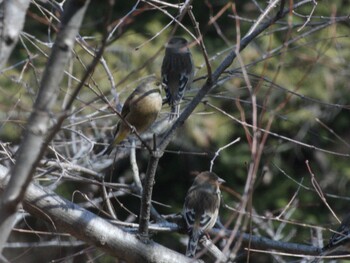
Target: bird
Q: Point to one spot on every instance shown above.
(201, 207)
(177, 72)
(340, 240)
(140, 110)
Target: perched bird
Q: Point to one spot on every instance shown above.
(177, 72)
(201, 207)
(340, 240)
(140, 110)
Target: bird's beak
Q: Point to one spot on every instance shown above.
(221, 181)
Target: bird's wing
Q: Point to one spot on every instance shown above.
(201, 215)
(165, 69)
(183, 80)
(126, 108)
(202, 221)
(132, 97)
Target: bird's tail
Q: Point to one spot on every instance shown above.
(109, 149)
(119, 137)
(192, 244)
(175, 111)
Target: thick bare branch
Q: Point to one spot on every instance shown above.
(263, 243)
(84, 225)
(11, 24)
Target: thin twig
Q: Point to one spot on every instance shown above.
(108, 201)
(308, 188)
(268, 9)
(291, 200)
(319, 190)
(278, 135)
(332, 132)
(219, 150)
(247, 193)
(214, 250)
(134, 167)
(309, 16)
(201, 43)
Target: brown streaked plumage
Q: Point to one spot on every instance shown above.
(201, 207)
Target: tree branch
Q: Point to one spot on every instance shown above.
(263, 243)
(84, 225)
(11, 24)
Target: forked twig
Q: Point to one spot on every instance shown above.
(318, 190)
